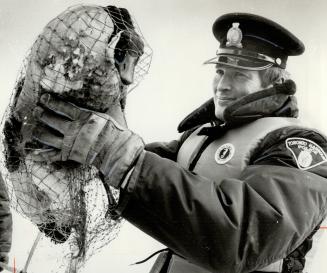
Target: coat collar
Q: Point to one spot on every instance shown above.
(277, 101)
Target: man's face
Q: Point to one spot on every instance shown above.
(231, 84)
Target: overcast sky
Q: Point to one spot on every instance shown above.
(179, 32)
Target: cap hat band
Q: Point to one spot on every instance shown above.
(237, 62)
(247, 54)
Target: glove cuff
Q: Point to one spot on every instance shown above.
(117, 163)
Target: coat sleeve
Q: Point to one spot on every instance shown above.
(170, 149)
(5, 220)
(164, 149)
(231, 225)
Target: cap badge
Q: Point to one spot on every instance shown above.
(234, 36)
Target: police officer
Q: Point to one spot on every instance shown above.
(243, 190)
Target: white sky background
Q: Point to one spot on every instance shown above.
(179, 32)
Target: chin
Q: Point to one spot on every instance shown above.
(219, 112)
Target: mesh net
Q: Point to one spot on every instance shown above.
(77, 57)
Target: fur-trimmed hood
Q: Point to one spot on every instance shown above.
(277, 101)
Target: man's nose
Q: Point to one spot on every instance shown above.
(224, 84)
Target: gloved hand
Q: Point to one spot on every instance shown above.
(86, 137)
(4, 259)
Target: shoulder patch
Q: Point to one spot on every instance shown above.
(306, 153)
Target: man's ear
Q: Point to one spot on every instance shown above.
(281, 80)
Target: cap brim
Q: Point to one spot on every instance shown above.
(239, 62)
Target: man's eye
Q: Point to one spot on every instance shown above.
(220, 72)
(241, 75)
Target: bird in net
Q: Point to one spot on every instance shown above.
(90, 56)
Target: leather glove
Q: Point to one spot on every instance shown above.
(87, 137)
(4, 259)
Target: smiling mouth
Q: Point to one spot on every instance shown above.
(222, 98)
(223, 101)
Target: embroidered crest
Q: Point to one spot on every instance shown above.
(307, 153)
(234, 36)
(224, 153)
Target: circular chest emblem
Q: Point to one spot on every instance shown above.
(224, 153)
